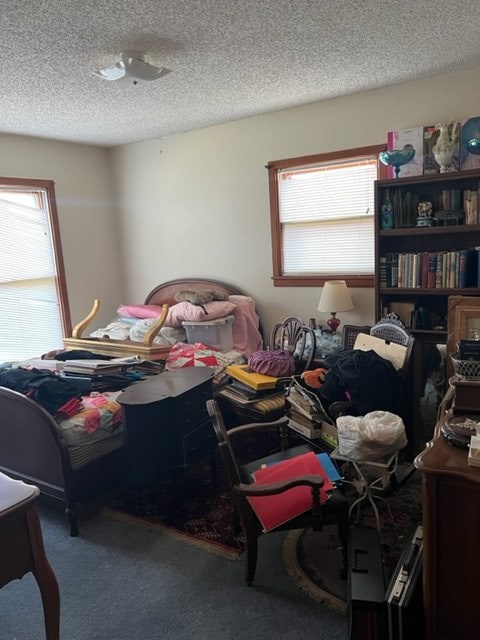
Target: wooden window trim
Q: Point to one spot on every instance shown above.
(49, 187)
(280, 280)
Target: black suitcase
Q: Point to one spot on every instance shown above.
(366, 586)
(404, 595)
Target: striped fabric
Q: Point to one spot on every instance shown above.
(83, 455)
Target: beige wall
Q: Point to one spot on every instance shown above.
(197, 204)
(83, 188)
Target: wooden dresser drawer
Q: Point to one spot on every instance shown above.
(198, 444)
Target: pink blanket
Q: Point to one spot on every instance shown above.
(246, 333)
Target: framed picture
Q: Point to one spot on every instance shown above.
(405, 311)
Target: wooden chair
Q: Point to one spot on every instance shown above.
(350, 333)
(291, 335)
(334, 511)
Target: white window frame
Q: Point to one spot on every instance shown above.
(279, 229)
(29, 304)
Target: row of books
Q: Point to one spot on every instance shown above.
(405, 206)
(458, 269)
(423, 139)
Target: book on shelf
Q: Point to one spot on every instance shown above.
(432, 269)
(439, 272)
(470, 204)
(382, 272)
(454, 269)
(274, 510)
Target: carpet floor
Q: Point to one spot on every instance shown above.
(194, 509)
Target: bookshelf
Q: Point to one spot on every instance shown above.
(417, 268)
(420, 299)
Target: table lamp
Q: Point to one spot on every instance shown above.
(335, 297)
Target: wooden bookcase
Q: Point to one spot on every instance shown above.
(424, 309)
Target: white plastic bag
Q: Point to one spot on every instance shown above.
(370, 437)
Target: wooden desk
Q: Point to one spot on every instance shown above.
(22, 550)
(451, 526)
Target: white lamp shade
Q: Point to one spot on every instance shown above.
(335, 297)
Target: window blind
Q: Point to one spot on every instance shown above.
(326, 217)
(29, 304)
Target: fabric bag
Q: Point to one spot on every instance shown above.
(276, 363)
(370, 437)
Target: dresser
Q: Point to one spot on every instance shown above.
(451, 525)
(167, 425)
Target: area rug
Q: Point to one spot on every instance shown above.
(189, 506)
(193, 506)
(313, 559)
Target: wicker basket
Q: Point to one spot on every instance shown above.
(466, 369)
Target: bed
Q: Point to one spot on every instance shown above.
(36, 449)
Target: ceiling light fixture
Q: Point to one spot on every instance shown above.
(132, 68)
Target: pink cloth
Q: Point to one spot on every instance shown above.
(246, 334)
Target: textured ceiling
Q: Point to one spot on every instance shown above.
(228, 59)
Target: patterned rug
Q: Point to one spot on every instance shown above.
(188, 506)
(313, 559)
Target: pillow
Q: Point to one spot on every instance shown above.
(140, 311)
(186, 311)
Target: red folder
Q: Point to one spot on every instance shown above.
(273, 511)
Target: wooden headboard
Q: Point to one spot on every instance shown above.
(165, 293)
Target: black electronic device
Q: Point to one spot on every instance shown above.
(404, 594)
(366, 585)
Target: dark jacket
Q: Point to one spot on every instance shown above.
(370, 381)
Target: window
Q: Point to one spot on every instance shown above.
(34, 314)
(322, 217)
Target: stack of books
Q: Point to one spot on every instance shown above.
(244, 394)
(308, 417)
(90, 367)
(246, 386)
